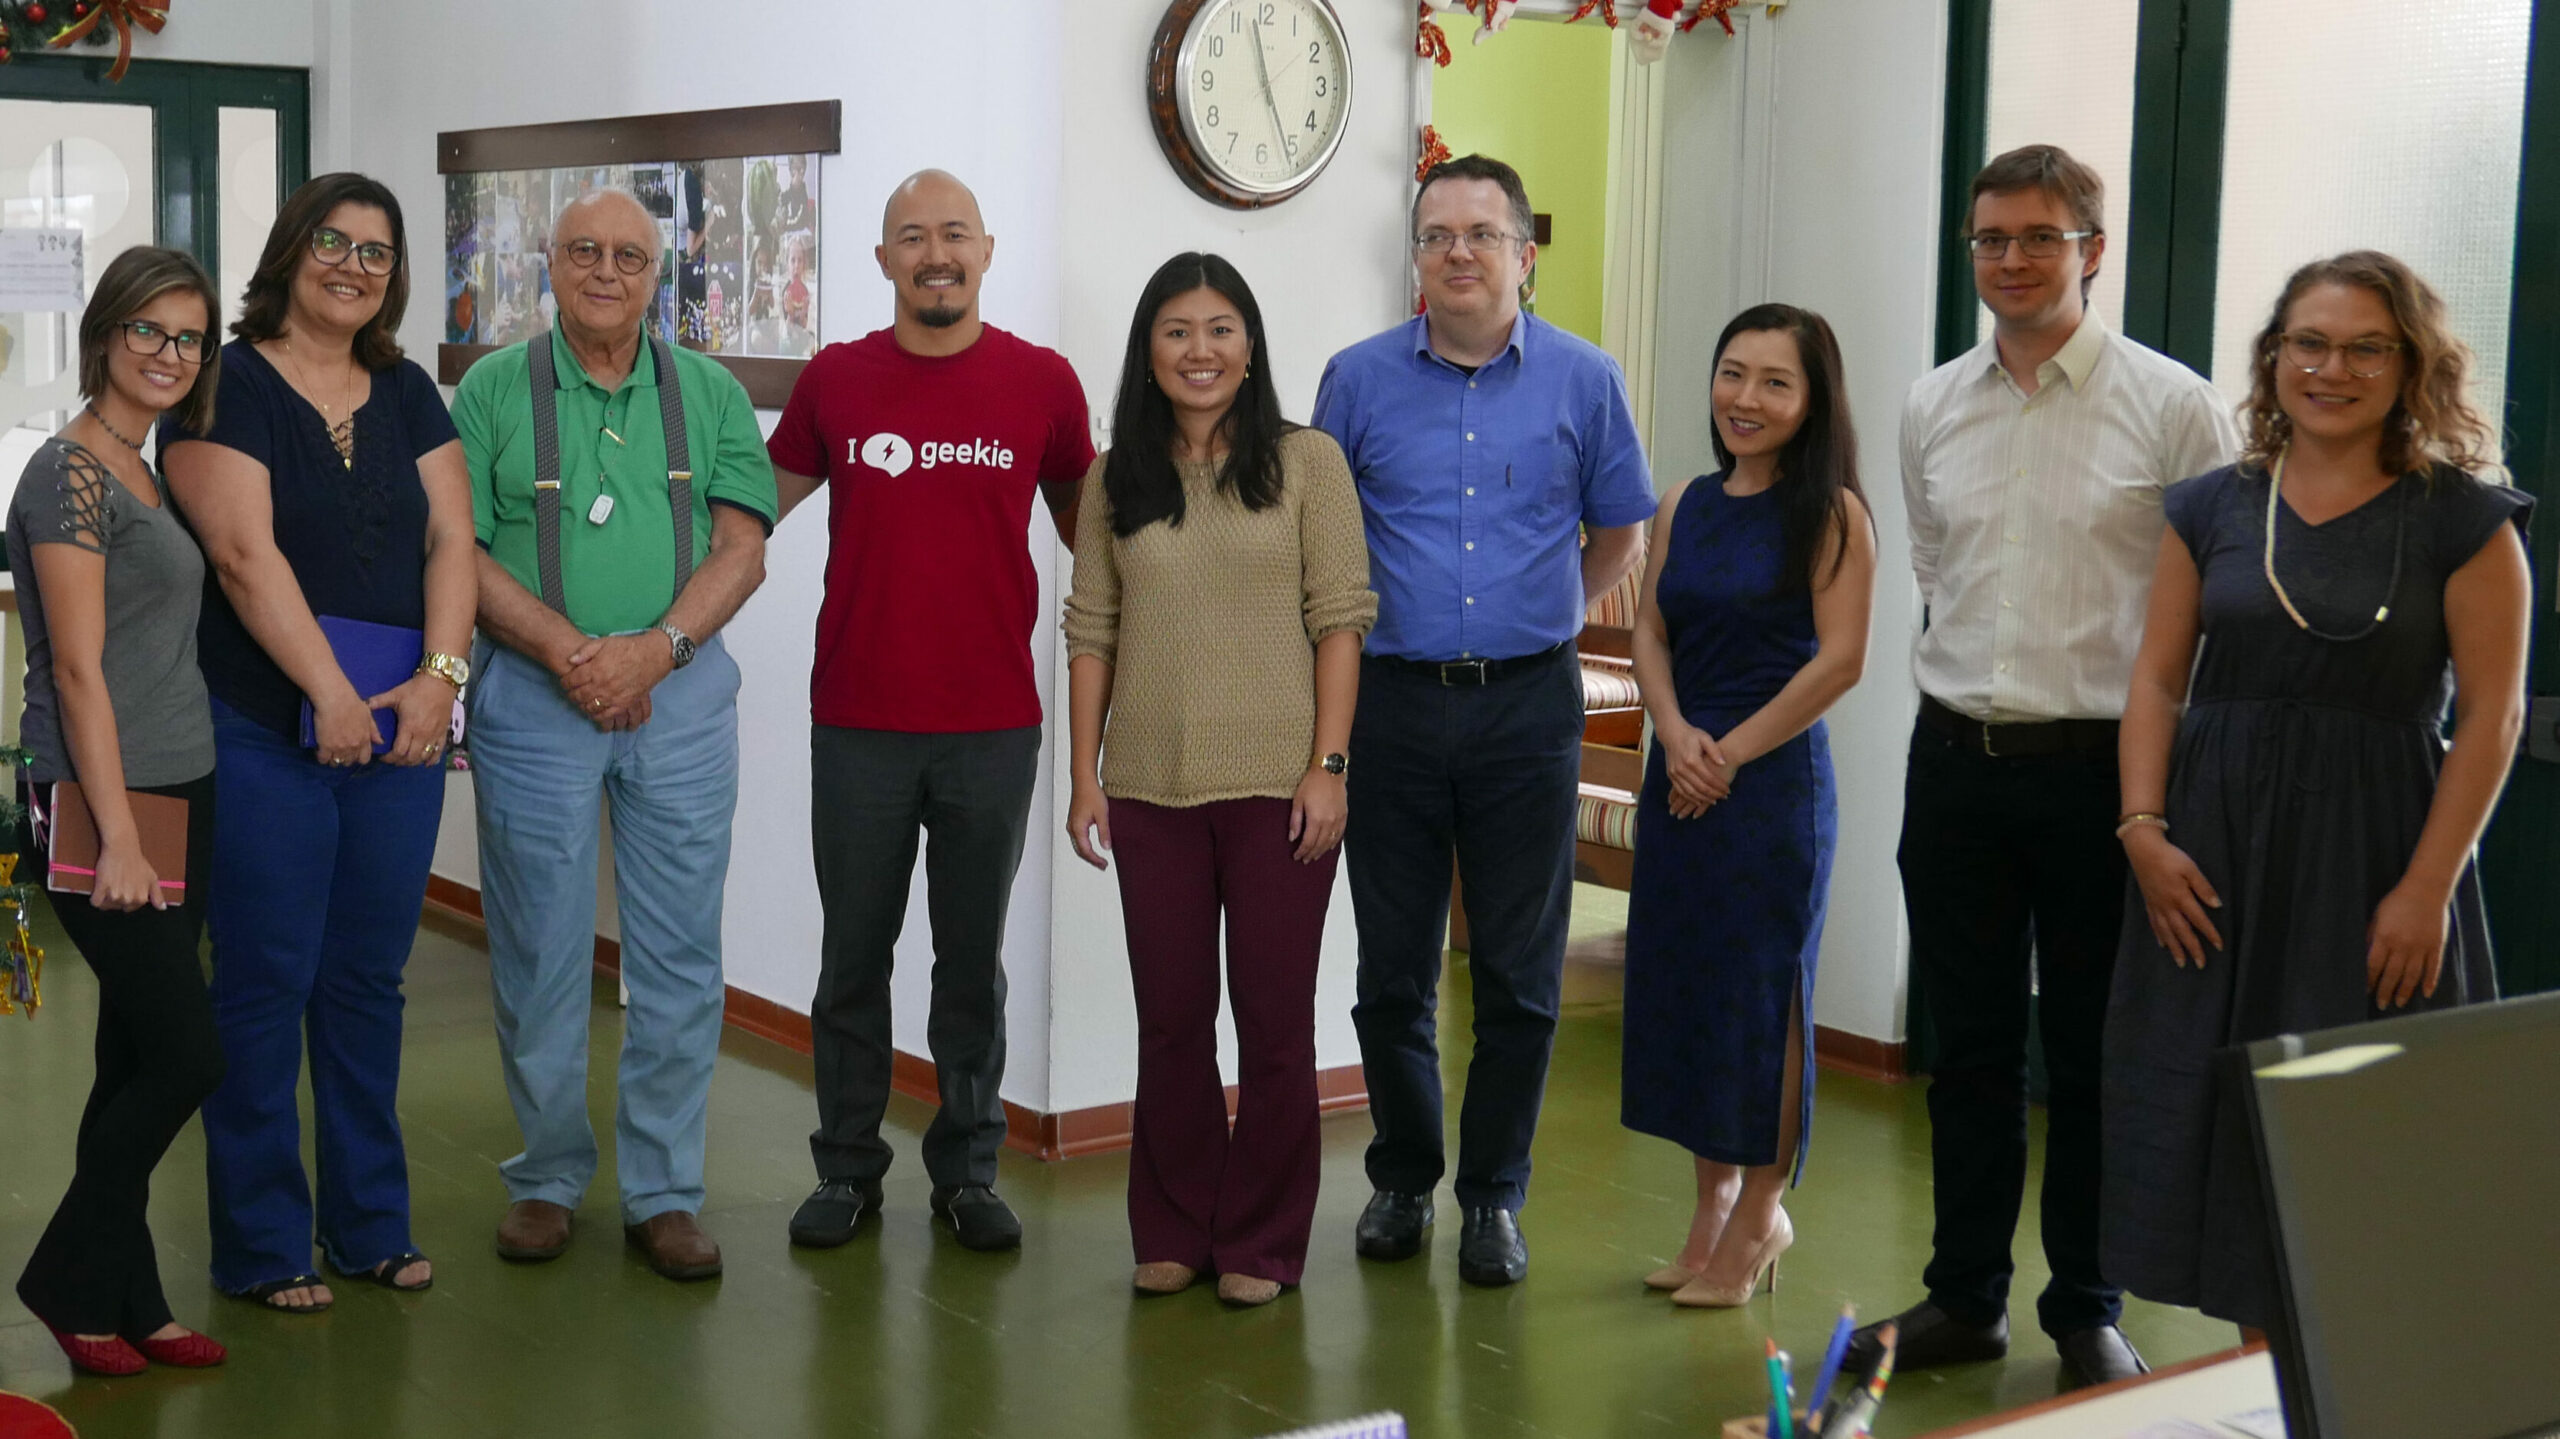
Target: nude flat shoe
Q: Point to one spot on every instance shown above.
(1163, 1277)
(1245, 1291)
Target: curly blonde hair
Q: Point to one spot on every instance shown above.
(2432, 422)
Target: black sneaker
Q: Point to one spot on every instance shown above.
(978, 1217)
(833, 1211)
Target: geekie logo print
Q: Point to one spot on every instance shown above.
(892, 455)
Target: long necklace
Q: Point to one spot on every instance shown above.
(2399, 551)
(121, 437)
(342, 433)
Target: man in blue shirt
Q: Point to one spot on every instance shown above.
(1484, 442)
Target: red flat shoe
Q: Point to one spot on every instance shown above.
(111, 1357)
(187, 1351)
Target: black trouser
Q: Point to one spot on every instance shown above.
(94, 1271)
(1489, 771)
(2004, 859)
(871, 792)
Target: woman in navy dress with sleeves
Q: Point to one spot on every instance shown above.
(2301, 835)
(331, 486)
(1753, 623)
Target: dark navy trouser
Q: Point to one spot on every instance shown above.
(1490, 774)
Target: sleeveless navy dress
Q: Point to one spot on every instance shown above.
(1724, 918)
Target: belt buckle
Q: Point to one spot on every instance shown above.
(1447, 665)
(1987, 750)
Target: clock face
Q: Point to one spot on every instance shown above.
(1263, 88)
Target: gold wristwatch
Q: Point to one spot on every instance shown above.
(452, 669)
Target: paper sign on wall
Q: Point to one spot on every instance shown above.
(41, 270)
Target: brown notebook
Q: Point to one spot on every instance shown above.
(71, 859)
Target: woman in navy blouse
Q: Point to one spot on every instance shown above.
(330, 489)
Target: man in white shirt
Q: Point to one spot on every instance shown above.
(2032, 468)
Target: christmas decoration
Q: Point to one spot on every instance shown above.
(1434, 150)
(44, 24)
(1430, 41)
(21, 958)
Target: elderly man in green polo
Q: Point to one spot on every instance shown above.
(623, 497)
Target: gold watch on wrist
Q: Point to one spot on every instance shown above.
(452, 669)
(1333, 763)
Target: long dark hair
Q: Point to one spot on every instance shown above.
(269, 295)
(1139, 476)
(1820, 465)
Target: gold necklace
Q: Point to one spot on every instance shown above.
(342, 433)
(2399, 552)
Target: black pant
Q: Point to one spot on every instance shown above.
(2008, 862)
(94, 1271)
(1491, 772)
(871, 791)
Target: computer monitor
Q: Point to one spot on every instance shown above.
(2412, 1171)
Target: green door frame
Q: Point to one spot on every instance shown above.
(2519, 857)
(186, 101)
(2181, 75)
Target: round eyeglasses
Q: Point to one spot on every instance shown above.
(2309, 352)
(587, 254)
(332, 247)
(147, 340)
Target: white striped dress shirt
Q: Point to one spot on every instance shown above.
(2035, 519)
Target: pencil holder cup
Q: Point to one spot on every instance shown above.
(1755, 1427)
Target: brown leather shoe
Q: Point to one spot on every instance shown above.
(676, 1246)
(534, 1230)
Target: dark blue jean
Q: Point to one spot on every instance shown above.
(318, 876)
(1489, 774)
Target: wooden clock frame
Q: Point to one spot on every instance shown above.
(1164, 105)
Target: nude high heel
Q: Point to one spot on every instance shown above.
(1698, 1293)
(1669, 1276)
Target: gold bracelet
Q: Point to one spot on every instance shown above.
(2132, 821)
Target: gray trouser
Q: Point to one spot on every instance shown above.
(871, 793)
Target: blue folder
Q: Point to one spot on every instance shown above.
(377, 659)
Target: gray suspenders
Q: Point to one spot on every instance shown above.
(544, 377)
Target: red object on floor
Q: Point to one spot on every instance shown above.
(23, 1418)
(110, 1358)
(188, 1351)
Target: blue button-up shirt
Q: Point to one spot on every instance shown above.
(1473, 488)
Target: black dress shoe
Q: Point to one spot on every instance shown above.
(829, 1216)
(1490, 1249)
(2098, 1356)
(1391, 1227)
(1928, 1337)
(978, 1217)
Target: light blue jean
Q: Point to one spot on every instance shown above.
(541, 774)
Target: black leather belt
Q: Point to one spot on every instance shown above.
(2018, 741)
(1472, 672)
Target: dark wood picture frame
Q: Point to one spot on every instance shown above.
(807, 127)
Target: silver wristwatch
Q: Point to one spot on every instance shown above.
(681, 642)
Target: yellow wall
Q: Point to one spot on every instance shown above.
(1536, 96)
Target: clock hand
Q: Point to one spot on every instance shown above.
(1262, 67)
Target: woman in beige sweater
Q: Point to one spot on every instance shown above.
(1221, 593)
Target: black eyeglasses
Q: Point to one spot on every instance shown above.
(587, 254)
(2035, 244)
(147, 339)
(332, 247)
(2309, 352)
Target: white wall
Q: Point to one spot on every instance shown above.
(1784, 192)
(1329, 267)
(422, 69)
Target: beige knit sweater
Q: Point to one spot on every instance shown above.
(1211, 628)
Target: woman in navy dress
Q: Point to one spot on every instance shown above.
(1753, 622)
(2300, 838)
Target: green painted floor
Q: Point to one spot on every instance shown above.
(904, 1333)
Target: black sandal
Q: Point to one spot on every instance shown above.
(265, 1294)
(387, 1274)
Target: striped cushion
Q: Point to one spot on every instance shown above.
(1617, 606)
(1608, 686)
(1605, 817)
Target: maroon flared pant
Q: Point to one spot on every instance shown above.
(1239, 1203)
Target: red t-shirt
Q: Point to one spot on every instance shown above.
(931, 464)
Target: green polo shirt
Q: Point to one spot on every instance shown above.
(619, 573)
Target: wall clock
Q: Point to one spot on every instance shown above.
(1250, 97)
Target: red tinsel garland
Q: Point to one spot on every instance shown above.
(1434, 150)
(149, 14)
(1431, 42)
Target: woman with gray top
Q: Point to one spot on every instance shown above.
(108, 584)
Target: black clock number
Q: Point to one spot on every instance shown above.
(1270, 15)
(1324, 86)
(1217, 46)
(1208, 80)
(1315, 51)
(1211, 119)
(1311, 122)
(1262, 154)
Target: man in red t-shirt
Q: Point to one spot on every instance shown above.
(925, 713)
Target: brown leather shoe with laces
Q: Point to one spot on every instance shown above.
(675, 1245)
